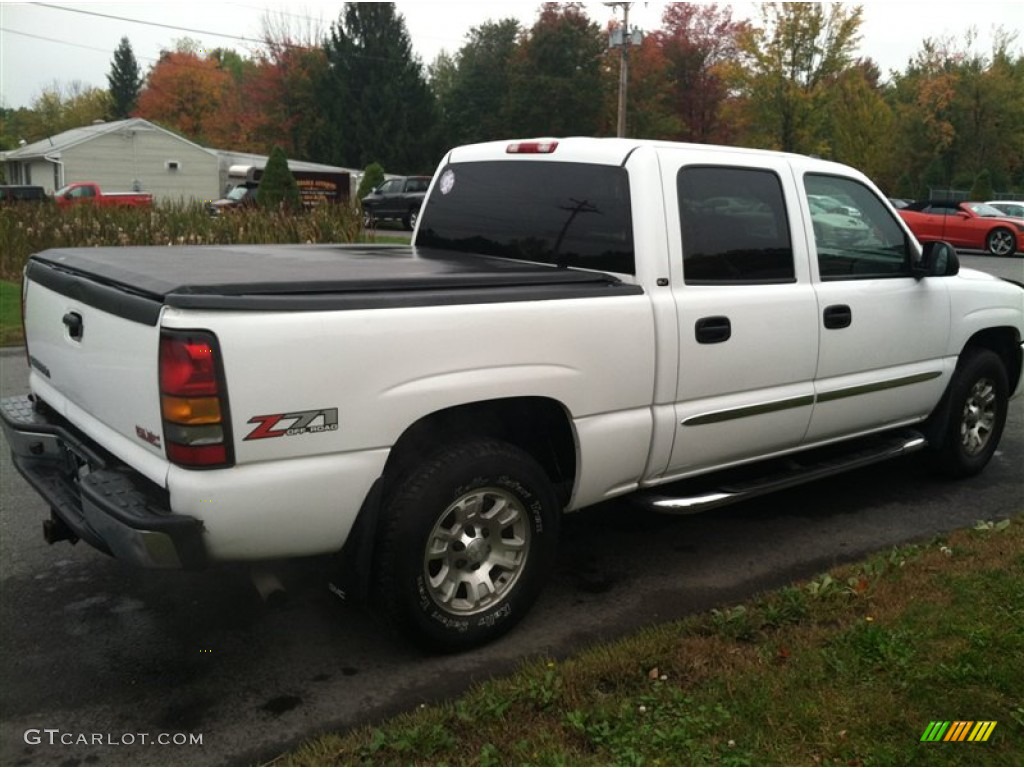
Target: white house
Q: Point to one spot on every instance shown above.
(120, 156)
(134, 154)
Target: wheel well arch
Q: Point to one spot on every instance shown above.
(1005, 342)
(540, 426)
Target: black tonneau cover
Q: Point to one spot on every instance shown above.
(307, 277)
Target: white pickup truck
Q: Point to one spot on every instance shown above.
(575, 320)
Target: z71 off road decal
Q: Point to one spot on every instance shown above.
(296, 423)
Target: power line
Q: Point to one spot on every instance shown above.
(152, 23)
(63, 42)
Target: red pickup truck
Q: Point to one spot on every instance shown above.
(89, 192)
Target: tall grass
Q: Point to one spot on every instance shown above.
(31, 228)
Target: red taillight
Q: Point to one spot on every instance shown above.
(193, 402)
(531, 148)
(197, 455)
(187, 366)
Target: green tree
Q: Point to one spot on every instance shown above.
(860, 124)
(376, 95)
(373, 177)
(982, 187)
(793, 59)
(556, 87)
(277, 186)
(125, 81)
(476, 105)
(61, 107)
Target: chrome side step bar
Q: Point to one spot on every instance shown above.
(795, 470)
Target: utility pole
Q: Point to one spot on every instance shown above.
(622, 39)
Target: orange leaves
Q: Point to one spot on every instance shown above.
(190, 94)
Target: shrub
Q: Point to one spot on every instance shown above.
(277, 186)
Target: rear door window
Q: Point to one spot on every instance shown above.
(734, 226)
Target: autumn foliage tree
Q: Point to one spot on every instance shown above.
(194, 95)
(700, 46)
(282, 103)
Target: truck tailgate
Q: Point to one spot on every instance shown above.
(93, 351)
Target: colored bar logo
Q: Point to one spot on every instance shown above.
(959, 730)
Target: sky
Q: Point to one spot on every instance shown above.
(66, 40)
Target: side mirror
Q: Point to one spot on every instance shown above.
(938, 259)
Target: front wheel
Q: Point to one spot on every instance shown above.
(467, 540)
(978, 397)
(1001, 242)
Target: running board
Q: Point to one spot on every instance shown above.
(795, 470)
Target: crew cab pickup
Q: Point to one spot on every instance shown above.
(575, 320)
(89, 193)
(399, 198)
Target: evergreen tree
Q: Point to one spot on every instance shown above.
(373, 177)
(380, 105)
(278, 187)
(555, 81)
(124, 80)
(477, 103)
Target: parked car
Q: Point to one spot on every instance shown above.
(22, 193)
(399, 198)
(964, 224)
(899, 202)
(836, 229)
(89, 193)
(242, 196)
(1014, 208)
(834, 205)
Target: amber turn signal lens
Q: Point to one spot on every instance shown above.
(191, 410)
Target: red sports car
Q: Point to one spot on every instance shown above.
(965, 225)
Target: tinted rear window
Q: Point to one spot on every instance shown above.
(569, 214)
(734, 225)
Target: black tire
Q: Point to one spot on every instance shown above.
(444, 573)
(1001, 242)
(975, 414)
(409, 220)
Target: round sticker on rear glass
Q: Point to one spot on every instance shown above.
(447, 181)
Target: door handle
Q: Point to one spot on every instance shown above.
(73, 321)
(838, 316)
(712, 330)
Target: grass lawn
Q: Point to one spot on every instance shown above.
(850, 668)
(10, 314)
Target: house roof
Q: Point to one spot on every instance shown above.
(229, 157)
(53, 145)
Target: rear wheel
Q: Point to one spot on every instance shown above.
(410, 219)
(468, 539)
(978, 397)
(1001, 242)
